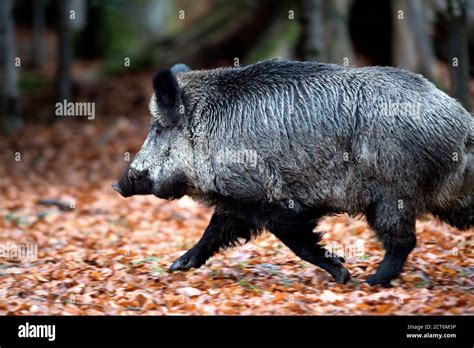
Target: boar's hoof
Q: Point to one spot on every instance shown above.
(333, 265)
(375, 279)
(342, 276)
(185, 262)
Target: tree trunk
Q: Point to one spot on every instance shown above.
(403, 40)
(38, 33)
(458, 59)
(420, 26)
(412, 47)
(312, 42)
(9, 116)
(339, 45)
(92, 39)
(64, 51)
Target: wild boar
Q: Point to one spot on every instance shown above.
(279, 144)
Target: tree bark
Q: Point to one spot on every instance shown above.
(339, 45)
(9, 116)
(64, 51)
(92, 39)
(312, 42)
(403, 40)
(421, 28)
(458, 59)
(38, 33)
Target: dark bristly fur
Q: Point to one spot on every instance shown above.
(324, 139)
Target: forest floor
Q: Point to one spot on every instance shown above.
(99, 253)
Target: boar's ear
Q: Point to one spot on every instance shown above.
(167, 93)
(180, 68)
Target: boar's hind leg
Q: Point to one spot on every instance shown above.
(301, 239)
(396, 229)
(223, 231)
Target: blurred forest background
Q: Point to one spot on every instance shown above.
(70, 49)
(99, 253)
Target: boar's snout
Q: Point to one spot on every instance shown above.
(133, 182)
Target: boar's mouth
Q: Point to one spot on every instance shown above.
(117, 188)
(130, 184)
(124, 185)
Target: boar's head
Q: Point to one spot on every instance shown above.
(163, 165)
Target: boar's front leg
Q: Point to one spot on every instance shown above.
(300, 238)
(223, 231)
(396, 229)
